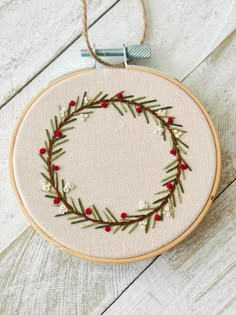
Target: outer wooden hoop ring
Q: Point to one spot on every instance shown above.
(152, 253)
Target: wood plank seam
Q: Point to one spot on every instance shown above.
(58, 55)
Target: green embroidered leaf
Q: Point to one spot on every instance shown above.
(162, 192)
(63, 214)
(60, 142)
(171, 169)
(45, 177)
(57, 151)
(56, 121)
(96, 97)
(82, 103)
(138, 99)
(148, 102)
(117, 229)
(184, 144)
(163, 108)
(131, 110)
(43, 158)
(119, 111)
(63, 192)
(134, 227)
(52, 125)
(123, 107)
(177, 125)
(59, 139)
(66, 129)
(77, 103)
(48, 135)
(51, 196)
(73, 203)
(111, 215)
(146, 116)
(57, 156)
(78, 221)
(171, 164)
(181, 186)
(147, 225)
(159, 200)
(56, 175)
(81, 205)
(68, 122)
(97, 213)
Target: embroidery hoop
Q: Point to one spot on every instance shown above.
(150, 254)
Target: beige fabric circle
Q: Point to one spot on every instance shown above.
(114, 161)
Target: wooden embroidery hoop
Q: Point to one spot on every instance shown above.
(152, 253)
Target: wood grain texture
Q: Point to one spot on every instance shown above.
(122, 25)
(40, 279)
(197, 276)
(33, 33)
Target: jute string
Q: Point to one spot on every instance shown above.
(85, 33)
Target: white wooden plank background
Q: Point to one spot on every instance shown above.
(184, 37)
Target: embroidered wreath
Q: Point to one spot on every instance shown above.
(76, 212)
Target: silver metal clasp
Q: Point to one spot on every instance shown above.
(128, 52)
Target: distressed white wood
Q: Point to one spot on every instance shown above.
(34, 32)
(197, 277)
(36, 278)
(119, 18)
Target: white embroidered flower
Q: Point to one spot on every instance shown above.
(62, 112)
(166, 211)
(142, 224)
(143, 204)
(86, 100)
(71, 186)
(162, 112)
(178, 134)
(84, 117)
(159, 131)
(62, 209)
(66, 189)
(43, 181)
(47, 187)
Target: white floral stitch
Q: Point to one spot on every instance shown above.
(159, 131)
(62, 209)
(47, 187)
(143, 204)
(43, 181)
(63, 112)
(162, 112)
(84, 117)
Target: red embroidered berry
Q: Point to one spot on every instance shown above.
(58, 133)
(169, 186)
(107, 228)
(88, 211)
(183, 166)
(170, 120)
(138, 109)
(56, 167)
(119, 95)
(56, 201)
(123, 215)
(42, 150)
(173, 151)
(104, 104)
(157, 217)
(72, 103)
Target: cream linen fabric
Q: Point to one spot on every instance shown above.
(114, 162)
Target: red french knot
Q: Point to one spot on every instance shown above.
(157, 217)
(170, 120)
(139, 109)
(173, 151)
(123, 215)
(42, 150)
(72, 103)
(119, 95)
(183, 166)
(56, 167)
(58, 133)
(104, 104)
(56, 201)
(169, 186)
(88, 211)
(107, 228)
